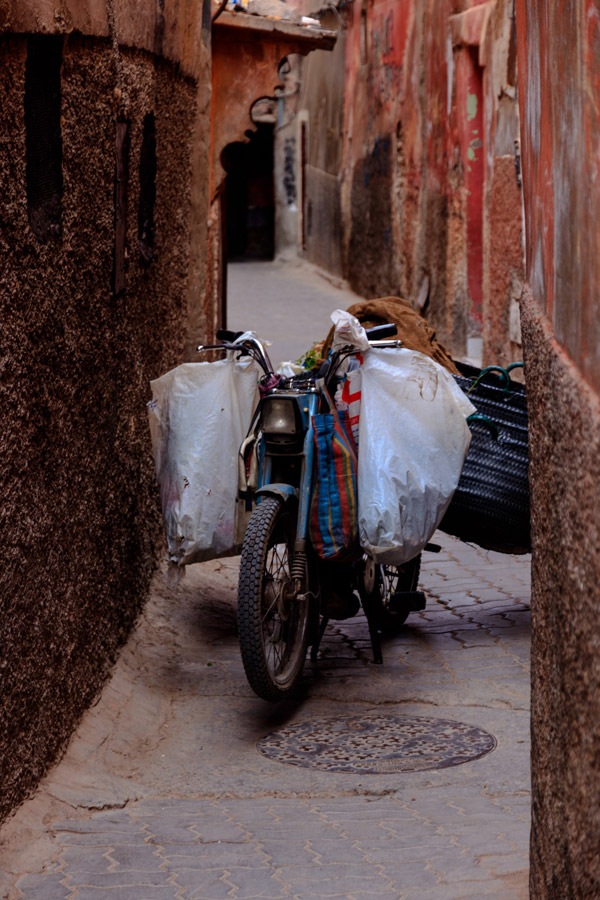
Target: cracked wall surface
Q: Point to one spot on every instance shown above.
(80, 516)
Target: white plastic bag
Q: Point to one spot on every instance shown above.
(348, 331)
(413, 443)
(199, 416)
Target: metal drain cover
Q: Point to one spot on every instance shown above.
(377, 744)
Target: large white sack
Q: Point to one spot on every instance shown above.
(413, 443)
(199, 416)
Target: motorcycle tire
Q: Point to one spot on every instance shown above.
(273, 625)
(379, 582)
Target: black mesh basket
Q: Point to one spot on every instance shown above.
(491, 504)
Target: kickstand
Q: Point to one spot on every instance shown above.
(315, 647)
(373, 634)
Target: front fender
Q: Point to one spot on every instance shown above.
(283, 492)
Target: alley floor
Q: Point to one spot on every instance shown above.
(288, 304)
(180, 784)
(164, 795)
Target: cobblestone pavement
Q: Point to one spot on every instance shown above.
(163, 795)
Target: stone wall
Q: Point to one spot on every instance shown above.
(97, 282)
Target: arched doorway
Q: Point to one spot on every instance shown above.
(250, 196)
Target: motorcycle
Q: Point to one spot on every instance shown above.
(287, 594)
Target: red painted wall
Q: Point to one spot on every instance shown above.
(559, 65)
(420, 157)
(470, 105)
(397, 152)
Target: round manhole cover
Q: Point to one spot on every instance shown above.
(377, 744)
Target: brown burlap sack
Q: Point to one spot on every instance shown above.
(413, 330)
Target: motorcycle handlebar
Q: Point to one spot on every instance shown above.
(253, 347)
(250, 346)
(229, 336)
(378, 332)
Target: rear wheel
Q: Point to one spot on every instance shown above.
(272, 616)
(378, 585)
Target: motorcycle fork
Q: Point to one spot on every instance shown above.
(306, 477)
(304, 565)
(303, 569)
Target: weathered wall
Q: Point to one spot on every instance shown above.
(323, 87)
(88, 318)
(503, 270)
(559, 74)
(286, 162)
(421, 194)
(564, 423)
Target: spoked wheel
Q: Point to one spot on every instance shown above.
(273, 619)
(377, 586)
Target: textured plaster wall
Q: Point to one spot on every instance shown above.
(80, 517)
(564, 423)
(559, 74)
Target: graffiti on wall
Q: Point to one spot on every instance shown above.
(289, 170)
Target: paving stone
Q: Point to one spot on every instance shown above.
(464, 892)
(165, 832)
(325, 882)
(100, 839)
(409, 873)
(158, 807)
(287, 852)
(131, 858)
(42, 887)
(118, 879)
(86, 859)
(135, 892)
(358, 894)
(258, 883)
(211, 856)
(304, 831)
(372, 813)
(213, 885)
(416, 851)
(98, 823)
(359, 831)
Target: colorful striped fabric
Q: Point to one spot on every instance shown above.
(333, 524)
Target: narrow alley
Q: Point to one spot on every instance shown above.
(181, 784)
(174, 171)
(288, 304)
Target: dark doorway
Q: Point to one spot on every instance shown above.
(249, 196)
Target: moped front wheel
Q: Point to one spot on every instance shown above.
(273, 618)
